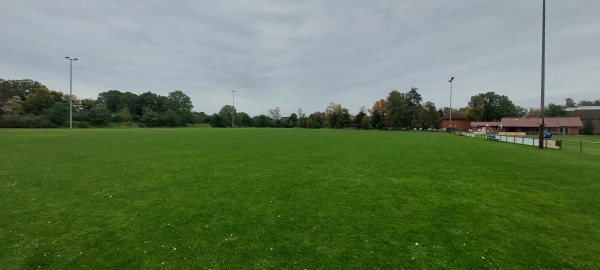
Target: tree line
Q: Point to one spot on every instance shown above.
(27, 103)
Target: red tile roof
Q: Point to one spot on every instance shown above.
(548, 122)
(563, 122)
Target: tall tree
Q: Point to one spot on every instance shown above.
(151, 101)
(17, 88)
(123, 115)
(149, 117)
(40, 100)
(110, 99)
(99, 116)
(58, 113)
(430, 116)
(200, 117)
(179, 102)
(170, 119)
(262, 121)
(217, 120)
(301, 119)
(85, 105)
(337, 116)
(476, 108)
(397, 108)
(227, 112)
(316, 120)
(413, 104)
(275, 113)
(569, 103)
(293, 120)
(491, 107)
(379, 113)
(360, 115)
(130, 101)
(377, 120)
(554, 110)
(365, 122)
(244, 119)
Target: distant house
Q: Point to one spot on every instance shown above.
(459, 122)
(485, 127)
(586, 113)
(558, 125)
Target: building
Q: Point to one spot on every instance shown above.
(459, 122)
(558, 125)
(591, 113)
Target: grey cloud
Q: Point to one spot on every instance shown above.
(304, 54)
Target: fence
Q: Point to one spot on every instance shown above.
(553, 144)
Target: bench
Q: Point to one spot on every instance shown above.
(491, 137)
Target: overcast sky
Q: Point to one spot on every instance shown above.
(305, 54)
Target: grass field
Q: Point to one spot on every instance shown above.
(292, 199)
(589, 144)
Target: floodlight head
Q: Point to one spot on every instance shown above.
(66, 57)
(75, 59)
(451, 79)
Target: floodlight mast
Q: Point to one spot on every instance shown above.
(233, 111)
(450, 81)
(71, 90)
(542, 105)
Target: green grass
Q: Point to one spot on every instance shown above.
(583, 144)
(292, 199)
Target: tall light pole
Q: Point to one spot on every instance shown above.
(541, 133)
(233, 111)
(71, 90)
(450, 81)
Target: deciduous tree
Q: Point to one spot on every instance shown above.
(217, 120)
(262, 121)
(293, 120)
(491, 107)
(149, 117)
(379, 113)
(413, 105)
(40, 100)
(179, 102)
(554, 110)
(430, 116)
(337, 116)
(397, 108)
(58, 113)
(316, 120)
(99, 116)
(110, 99)
(227, 112)
(275, 113)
